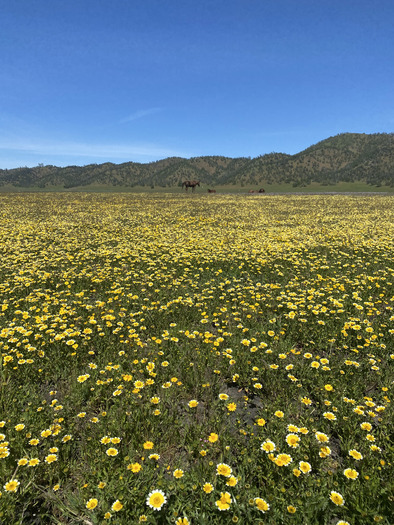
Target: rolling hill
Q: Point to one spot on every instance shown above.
(348, 157)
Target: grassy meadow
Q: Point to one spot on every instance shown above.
(243, 189)
(194, 359)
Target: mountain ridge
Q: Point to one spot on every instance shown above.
(347, 157)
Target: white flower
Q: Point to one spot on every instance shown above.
(156, 499)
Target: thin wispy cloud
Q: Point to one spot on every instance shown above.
(140, 114)
(119, 151)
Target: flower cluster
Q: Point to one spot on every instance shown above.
(187, 360)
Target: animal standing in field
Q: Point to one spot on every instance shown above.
(190, 184)
(261, 190)
(211, 191)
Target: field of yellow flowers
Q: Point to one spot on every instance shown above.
(196, 359)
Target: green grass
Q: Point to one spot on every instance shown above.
(343, 187)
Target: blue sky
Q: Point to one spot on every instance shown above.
(84, 81)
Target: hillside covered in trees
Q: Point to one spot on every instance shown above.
(348, 157)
